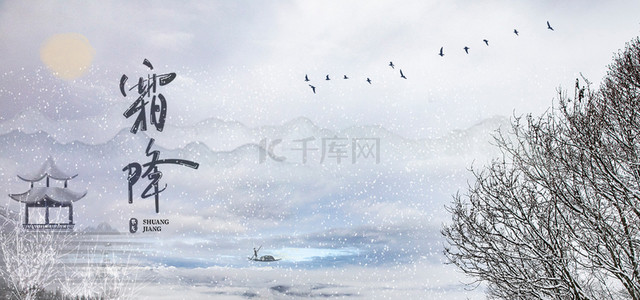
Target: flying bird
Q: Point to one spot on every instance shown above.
(306, 78)
(402, 75)
(515, 31)
(549, 26)
(391, 65)
(368, 80)
(441, 53)
(327, 78)
(313, 88)
(345, 77)
(466, 49)
(486, 41)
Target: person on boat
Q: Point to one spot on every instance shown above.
(255, 253)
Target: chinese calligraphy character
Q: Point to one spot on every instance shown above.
(147, 88)
(152, 173)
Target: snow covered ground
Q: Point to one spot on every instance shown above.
(419, 280)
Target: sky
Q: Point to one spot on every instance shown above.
(244, 61)
(240, 87)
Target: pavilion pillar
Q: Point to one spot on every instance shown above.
(26, 214)
(70, 213)
(46, 212)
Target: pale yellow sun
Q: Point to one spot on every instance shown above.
(67, 55)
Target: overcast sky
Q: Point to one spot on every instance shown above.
(246, 60)
(240, 69)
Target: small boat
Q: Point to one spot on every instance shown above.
(264, 258)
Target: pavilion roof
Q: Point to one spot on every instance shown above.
(48, 169)
(55, 194)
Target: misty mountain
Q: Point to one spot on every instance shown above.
(241, 190)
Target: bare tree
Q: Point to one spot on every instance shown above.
(30, 259)
(98, 272)
(558, 216)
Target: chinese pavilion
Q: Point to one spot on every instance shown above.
(39, 197)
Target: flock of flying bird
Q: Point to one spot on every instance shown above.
(441, 53)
